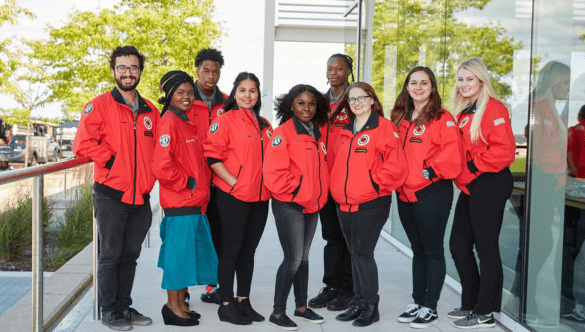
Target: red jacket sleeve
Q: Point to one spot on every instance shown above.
(216, 143)
(447, 164)
(165, 167)
(278, 177)
(89, 134)
(394, 165)
(497, 131)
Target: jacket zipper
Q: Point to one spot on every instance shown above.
(262, 149)
(403, 145)
(319, 170)
(134, 193)
(347, 171)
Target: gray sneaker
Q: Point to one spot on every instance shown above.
(458, 313)
(136, 318)
(476, 321)
(116, 321)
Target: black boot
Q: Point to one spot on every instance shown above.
(351, 313)
(229, 313)
(368, 316)
(246, 309)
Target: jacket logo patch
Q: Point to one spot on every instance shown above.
(416, 140)
(363, 150)
(323, 148)
(548, 123)
(214, 128)
(499, 121)
(276, 141)
(269, 134)
(88, 109)
(463, 122)
(165, 140)
(419, 130)
(363, 140)
(581, 128)
(220, 111)
(148, 133)
(342, 115)
(396, 135)
(450, 124)
(147, 123)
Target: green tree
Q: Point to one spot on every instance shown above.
(406, 30)
(168, 32)
(9, 13)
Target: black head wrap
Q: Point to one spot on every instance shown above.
(169, 83)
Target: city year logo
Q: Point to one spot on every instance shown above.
(419, 130)
(363, 140)
(214, 128)
(165, 140)
(464, 122)
(276, 141)
(148, 123)
(323, 148)
(220, 111)
(269, 134)
(342, 115)
(88, 109)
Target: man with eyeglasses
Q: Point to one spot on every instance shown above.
(117, 132)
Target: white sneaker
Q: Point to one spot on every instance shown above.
(410, 313)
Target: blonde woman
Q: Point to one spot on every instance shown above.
(486, 183)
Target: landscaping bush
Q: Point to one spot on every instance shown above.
(76, 231)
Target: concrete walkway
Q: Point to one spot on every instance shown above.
(395, 290)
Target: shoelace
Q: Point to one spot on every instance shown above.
(425, 312)
(471, 316)
(580, 309)
(412, 307)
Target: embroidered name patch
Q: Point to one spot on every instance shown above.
(276, 141)
(416, 140)
(165, 140)
(214, 128)
(499, 121)
(88, 109)
(363, 150)
(148, 133)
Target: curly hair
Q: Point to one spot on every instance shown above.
(404, 103)
(210, 54)
(283, 104)
(126, 51)
(343, 104)
(231, 104)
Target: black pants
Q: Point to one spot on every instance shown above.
(242, 225)
(295, 232)
(362, 230)
(336, 256)
(212, 214)
(478, 221)
(122, 228)
(424, 222)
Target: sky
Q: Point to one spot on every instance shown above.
(242, 45)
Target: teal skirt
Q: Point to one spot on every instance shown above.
(187, 255)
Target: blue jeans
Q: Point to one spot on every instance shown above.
(424, 222)
(122, 228)
(362, 230)
(295, 231)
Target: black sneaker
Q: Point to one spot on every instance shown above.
(340, 302)
(212, 297)
(577, 314)
(310, 316)
(325, 295)
(116, 321)
(409, 313)
(136, 318)
(283, 323)
(476, 321)
(426, 317)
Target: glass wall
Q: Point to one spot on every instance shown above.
(535, 52)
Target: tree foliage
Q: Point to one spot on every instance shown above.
(168, 32)
(9, 13)
(402, 28)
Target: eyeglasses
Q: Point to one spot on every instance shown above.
(359, 99)
(121, 69)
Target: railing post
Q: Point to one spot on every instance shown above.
(37, 254)
(64, 183)
(96, 307)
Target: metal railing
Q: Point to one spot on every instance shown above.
(37, 173)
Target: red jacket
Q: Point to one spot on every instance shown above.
(202, 116)
(331, 130)
(368, 166)
(295, 167)
(236, 139)
(179, 165)
(494, 151)
(433, 146)
(109, 131)
(577, 147)
(551, 155)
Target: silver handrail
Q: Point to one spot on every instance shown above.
(38, 173)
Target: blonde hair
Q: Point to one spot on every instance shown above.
(477, 67)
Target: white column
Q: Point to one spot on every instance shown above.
(268, 72)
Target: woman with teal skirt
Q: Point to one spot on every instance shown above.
(186, 256)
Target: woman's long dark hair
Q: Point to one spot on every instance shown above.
(283, 104)
(231, 104)
(344, 104)
(404, 103)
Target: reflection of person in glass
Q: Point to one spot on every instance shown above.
(576, 147)
(486, 184)
(431, 144)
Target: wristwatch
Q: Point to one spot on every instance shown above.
(425, 173)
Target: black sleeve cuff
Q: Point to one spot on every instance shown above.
(211, 161)
(471, 166)
(110, 162)
(432, 173)
(191, 183)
